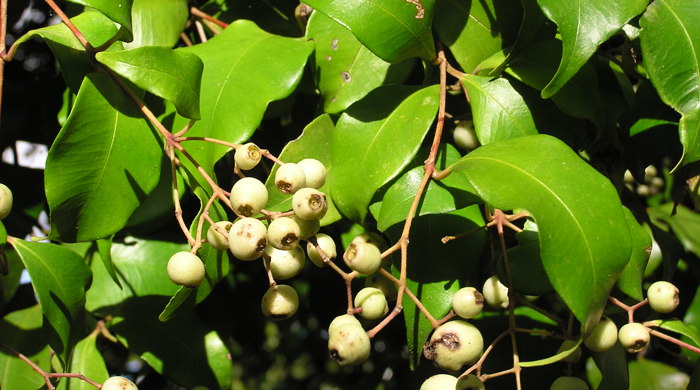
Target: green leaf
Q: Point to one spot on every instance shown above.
(314, 142)
(10, 282)
(630, 281)
(374, 140)
(648, 374)
(21, 330)
(157, 22)
(584, 237)
(59, 277)
(232, 70)
(171, 74)
(440, 196)
(527, 272)
(584, 25)
(680, 327)
(684, 223)
(394, 31)
(498, 109)
(100, 167)
(87, 360)
(104, 247)
(347, 70)
(117, 10)
(613, 367)
(554, 358)
(434, 268)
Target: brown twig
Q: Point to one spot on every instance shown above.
(200, 14)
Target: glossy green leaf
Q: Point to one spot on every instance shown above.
(314, 142)
(157, 22)
(680, 327)
(584, 25)
(21, 330)
(613, 367)
(498, 109)
(584, 238)
(374, 140)
(437, 270)
(173, 75)
(117, 10)
(347, 70)
(59, 277)
(394, 31)
(233, 70)
(10, 282)
(692, 319)
(527, 272)
(440, 196)
(87, 360)
(101, 165)
(649, 374)
(684, 223)
(104, 247)
(3, 235)
(630, 281)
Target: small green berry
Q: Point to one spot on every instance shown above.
(348, 344)
(327, 245)
(454, 344)
(495, 293)
(247, 238)
(663, 297)
(283, 233)
(309, 203)
(118, 383)
(247, 156)
(343, 319)
(363, 257)
(465, 136)
(439, 382)
(569, 383)
(5, 201)
(470, 382)
(634, 337)
(603, 337)
(314, 171)
(280, 302)
(285, 263)
(467, 302)
(373, 303)
(248, 196)
(186, 269)
(306, 228)
(216, 239)
(290, 178)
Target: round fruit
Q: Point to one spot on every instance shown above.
(379, 281)
(569, 383)
(290, 178)
(363, 257)
(371, 238)
(603, 337)
(634, 337)
(307, 228)
(465, 136)
(283, 233)
(348, 343)
(327, 245)
(314, 171)
(495, 293)
(186, 269)
(663, 297)
(5, 201)
(574, 356)
(342, 319)
(454, 344)
(467, 302)
(247, 238)
(373, 303)
(470, 382)
(280, 302)
(248, 196)
(118, 383)
(285, 263)
(247, 156)
(216, 239)
(309, 204)
(439, 382)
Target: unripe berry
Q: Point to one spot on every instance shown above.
(465, 136)
(186, 269)
(380, 281)
(314, 171)
(118, 383)
(348, 343)
(495, 293)
(290, 178)
(569, 383)
(327, 245)
(283, 233)
(373, 303)
(634, 337)
(306, 228)
(285, 263)
(216, 239)
(309, 203)
(280, 302)
(467, 302)
(247, 156)
(363, 257)
(439, 382)
(247, 238)
(603, 337)
(663, 297)
(454, 344)
(575, 356)
(470, 382)
(371, 238)
(5, 201)
(343, 319)
(248, 196)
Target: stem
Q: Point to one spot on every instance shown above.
(671, 339)
(64, 18)
(200, 14)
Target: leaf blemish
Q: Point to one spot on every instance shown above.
(328, 58)
(334, 44)
(346, 77)
(420, 11)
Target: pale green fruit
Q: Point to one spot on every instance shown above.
(309, 204)
(248, 196)
(465, 136)
(454, 344)
(363, 257)
(5, 201)
(247, 238)
(663, 297)
(327, 245)
(569, 383)
(373, 303)
(247, 156)
(495, 293)
(314, 171)
(290, 178)
(603, 337)
(379, 281)
(280, 302)
(470, 382)
(216, 239)
(371, 238)
(285, 263)
(343, 319)
(467, 302)
(306, 228)
(186, 269)
(348, 344)
(634, 337)
(575, 356)
(440, 382)
(118, 383)
(283, 233)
